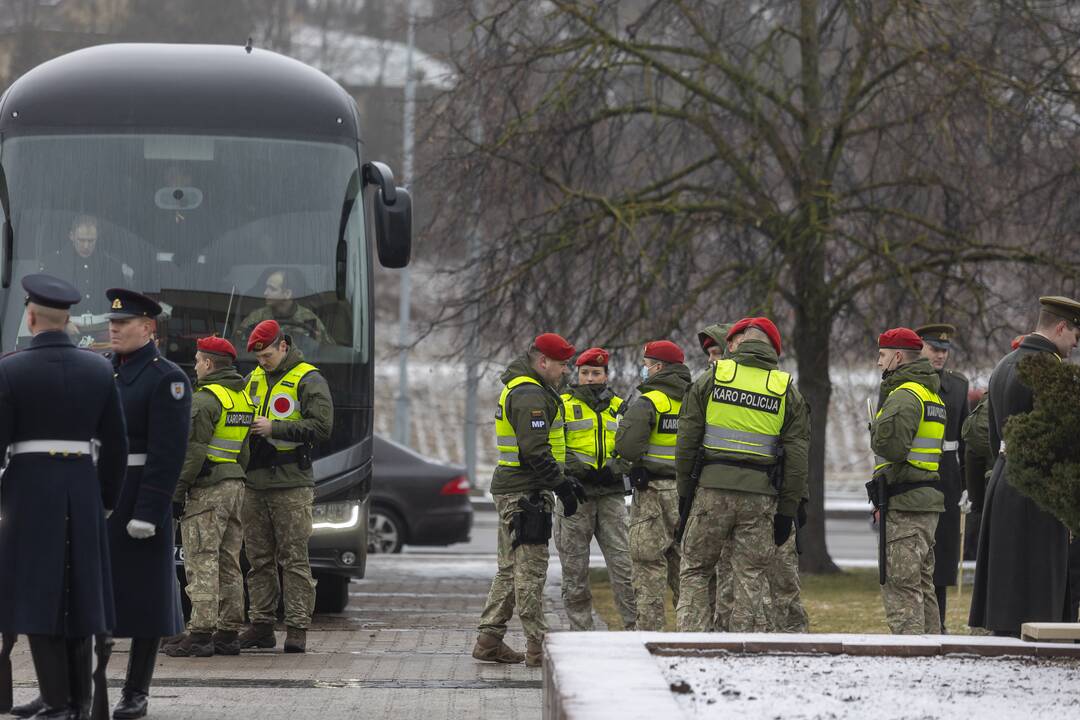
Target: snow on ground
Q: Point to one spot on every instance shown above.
(839, 687)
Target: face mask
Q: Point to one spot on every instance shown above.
(644, 373)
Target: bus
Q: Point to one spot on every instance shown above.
(229, 184)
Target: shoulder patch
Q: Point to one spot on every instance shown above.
(540, 424)
(176, 389)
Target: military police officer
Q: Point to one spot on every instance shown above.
(937, 346)
(294, 412)
(532, 451)
(907, 436)
(156, 396)
(645, 446)
(66, 466)
(742, 463)
(591, 409)
(211, 493)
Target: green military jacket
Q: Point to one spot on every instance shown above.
(538, 470)
(205, 411)
(636, 424)
(794, 436)
(298, 320)
(979, 458)
(317, 411)
(598, 398)
(893, 431)
(718, 333)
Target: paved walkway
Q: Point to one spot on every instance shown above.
(400, 650)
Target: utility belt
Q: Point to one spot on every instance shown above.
(894, 489)
(774, 469)
(265, 455)
(532, 524)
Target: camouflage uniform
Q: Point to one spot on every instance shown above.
(784, 610)
(725, 591)
(299, 320)
(908, 593)
(519, 582)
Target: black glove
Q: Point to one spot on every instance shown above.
(800, 514)
(606, 477)
(782, 525)
(685, 503)
(177, 510)
(592, 475)
(571, 493)
(639, 479)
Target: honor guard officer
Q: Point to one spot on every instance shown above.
(937, 347)
(211, 493)
(157, 405)
(62, 479)
(532, 450)
(907, 436)
(741, 462)
(591, 409)
(645, 446)
(1022, 565)
(294, 413)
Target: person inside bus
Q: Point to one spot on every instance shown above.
(85, 264)
(282, 287)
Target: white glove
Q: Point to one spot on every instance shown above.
(140, 530)
(965, 504)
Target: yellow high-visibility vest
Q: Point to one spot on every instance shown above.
(280, 402)
(666, 428)
(506, 437)
(925, 452)
(233, 424)
(590, 436)
(745, 413)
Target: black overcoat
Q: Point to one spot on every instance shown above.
(156, 395)
(1021, 568)
(54, 555)
(954, 393)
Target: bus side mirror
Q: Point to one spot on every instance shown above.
(392, 216)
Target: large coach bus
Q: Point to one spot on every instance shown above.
(229, 184)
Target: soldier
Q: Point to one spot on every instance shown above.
(211, 493)
(54, 563)
(937, 344)
(746, 427)
(294, 412)
(283, 285)
(157, 405)
(907, 436)
(1021, 568)
(532, 450)
(645, 449)
(591, 410)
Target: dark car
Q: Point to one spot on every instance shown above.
(415, 500)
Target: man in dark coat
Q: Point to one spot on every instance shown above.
(59, 410)
(937, 345)
(1022, 566)
(157, 404)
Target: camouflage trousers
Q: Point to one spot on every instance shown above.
(908, 593)
(277, 527)
(212, 538)
(654, 513)
(718, 518)
(519, 581)
(604, 518)
(783, 608)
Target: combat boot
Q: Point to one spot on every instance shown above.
(193, 645)
(492, 649)
(258, 635)
(295, 640)
(29, 709)
(226, 642)
(172, 640)
(534, 653)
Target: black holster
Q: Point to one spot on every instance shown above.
(532, 524)
(303, 457)
(639, 477)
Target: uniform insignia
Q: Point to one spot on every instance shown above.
(117, 305)
(538, 424)
(258, 346)
(538, 413)
(177, 390)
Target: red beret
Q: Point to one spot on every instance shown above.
(596, 357)
(554, 346)
(763, 324)
(900, 339)
(664, 351)
(1016, 341)
(216, 346)
(264, 335)
(707, 342)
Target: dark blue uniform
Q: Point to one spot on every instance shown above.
(156, 396)
(54, 559)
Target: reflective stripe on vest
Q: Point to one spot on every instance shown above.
(925, 451)
(233, 424)
(586, 430)
(746, 410)
(665, 430)
(280, 402)
(506, 438)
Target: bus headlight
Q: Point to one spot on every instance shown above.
(335, 516)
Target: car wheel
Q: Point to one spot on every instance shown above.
(386, 531)
(331, 593)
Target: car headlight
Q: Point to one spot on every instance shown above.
(335, 515)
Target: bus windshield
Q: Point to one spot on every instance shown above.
(222, 231)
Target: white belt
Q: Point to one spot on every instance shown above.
(1001, 448)
(950, 446)
(53, 447)
(136, 459)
